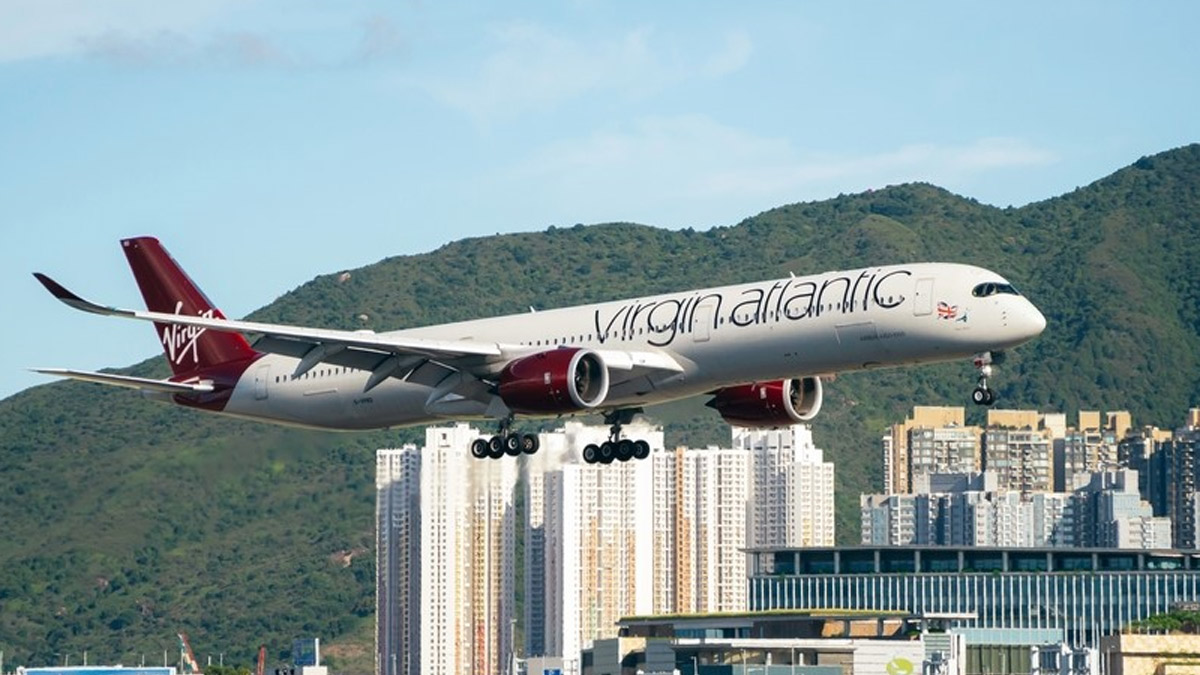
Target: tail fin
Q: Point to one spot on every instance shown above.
(167, 288)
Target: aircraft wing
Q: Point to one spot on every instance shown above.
(143, 383)
(384, 355)
(282, 334)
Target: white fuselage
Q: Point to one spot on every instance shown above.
(719, 337)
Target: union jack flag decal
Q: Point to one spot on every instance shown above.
(948, 312)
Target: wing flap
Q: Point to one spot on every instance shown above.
(351, 357)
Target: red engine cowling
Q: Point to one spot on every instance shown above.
(769, 404)
(555, 382)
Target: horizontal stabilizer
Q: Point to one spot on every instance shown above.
(143, 383)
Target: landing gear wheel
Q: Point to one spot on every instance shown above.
(512, 444)
(624, 450)
(983, 396)
(479, 448)
(608, 452)
(591, 453)
(496, 447)
(530, 443)
(641, 449)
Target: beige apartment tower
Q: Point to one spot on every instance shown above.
(445, 595)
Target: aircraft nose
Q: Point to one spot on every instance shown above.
(1032, 321)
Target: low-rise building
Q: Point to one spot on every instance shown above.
(1083, 594)
(1132, 654)
(806, 643)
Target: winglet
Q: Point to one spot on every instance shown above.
(55, 288)
(70, 299)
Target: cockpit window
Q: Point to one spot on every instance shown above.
(992, 288)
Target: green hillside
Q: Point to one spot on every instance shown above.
(126, 521)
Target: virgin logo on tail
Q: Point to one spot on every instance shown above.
(179, 341)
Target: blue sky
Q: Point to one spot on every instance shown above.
(266, 142)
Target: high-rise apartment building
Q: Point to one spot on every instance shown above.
(664, 535)
(888, 444)
(1112, 514)
(969, 510)
(944, 445)
(700, 506)
(943, 450)
(1054, 517)
(791, 488)
(1179, 459)
(597, 538)
(667, 534)
(1089, 448)
(446, 555)
(889, 519)
(535, 562)
(1168, 465)
(1022, 459)
(398, 542)
(675, 529)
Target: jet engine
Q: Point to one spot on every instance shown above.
(555, 382)
(764, 405)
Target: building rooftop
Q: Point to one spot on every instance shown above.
(790, 623)
(773, 561)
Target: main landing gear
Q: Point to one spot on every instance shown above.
(983, 363)
(505, 442)
(617, 448)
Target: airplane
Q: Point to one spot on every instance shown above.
(760, 350)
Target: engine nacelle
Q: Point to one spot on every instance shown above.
(765, 405)
(555, 382)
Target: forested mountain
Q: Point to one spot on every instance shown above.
(125, 521)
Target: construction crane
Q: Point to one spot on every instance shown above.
(187, 660)
(261, 667)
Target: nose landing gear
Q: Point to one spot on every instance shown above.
(982, 395)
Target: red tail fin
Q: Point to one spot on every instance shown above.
(167, 288)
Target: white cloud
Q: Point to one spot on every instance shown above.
(381, 39)
(193, 32)
(715, 174)
(735, 55)
(31, 29)
(170, 48)
(530, 68)
(945, 165)
(692, 141)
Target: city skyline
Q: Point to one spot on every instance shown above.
(600, 542)
(1029, 479)
(702, 531)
